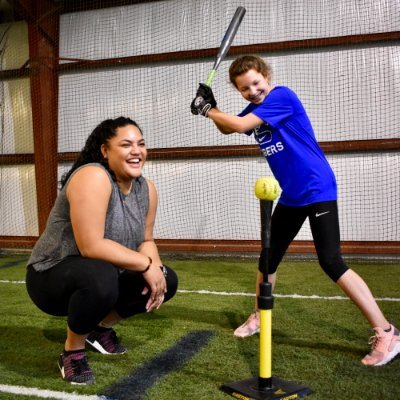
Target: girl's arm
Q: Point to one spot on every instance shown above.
(228, 123)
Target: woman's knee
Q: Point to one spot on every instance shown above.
(172, 282)
(92, 281)
(101, 282)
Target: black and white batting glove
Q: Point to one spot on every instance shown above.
(200, 107)
(203, 101)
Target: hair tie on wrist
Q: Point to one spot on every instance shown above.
(148, 267)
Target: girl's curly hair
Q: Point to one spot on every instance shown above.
(245, 63)
(91, 152)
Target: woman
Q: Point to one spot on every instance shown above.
(282, 129)
(97, 262)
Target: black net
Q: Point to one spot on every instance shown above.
(145, 60)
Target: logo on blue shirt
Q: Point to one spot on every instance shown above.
(263, 134)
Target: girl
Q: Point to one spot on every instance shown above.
(280, 125)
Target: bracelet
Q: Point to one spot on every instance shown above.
(148, 267)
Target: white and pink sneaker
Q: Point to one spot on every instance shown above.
(384, 347)
(250, 327)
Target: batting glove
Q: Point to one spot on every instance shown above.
(203, 101)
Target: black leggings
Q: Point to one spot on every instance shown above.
(86, 290)
(324, 222)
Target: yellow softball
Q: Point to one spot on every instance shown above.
(267, 188)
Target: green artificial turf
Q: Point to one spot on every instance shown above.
(316, 342)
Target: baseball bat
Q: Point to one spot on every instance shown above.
(226, 42)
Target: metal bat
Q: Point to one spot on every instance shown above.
(226, 42)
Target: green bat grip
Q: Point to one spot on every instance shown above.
(210, 78)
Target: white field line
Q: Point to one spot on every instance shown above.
(289, 296)
(46, 394)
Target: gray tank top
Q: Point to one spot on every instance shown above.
(125, 223)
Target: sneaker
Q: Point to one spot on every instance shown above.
(385, 346)
(250, 327)
(75, 369)
(106, 342)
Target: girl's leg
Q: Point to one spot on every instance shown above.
(357, 290)
(285, 224)
(324, 223)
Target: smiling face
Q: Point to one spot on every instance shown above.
(253, 86)
(126, 154)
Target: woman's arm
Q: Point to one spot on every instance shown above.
(88, 193)
(148, 246)
(154, 277)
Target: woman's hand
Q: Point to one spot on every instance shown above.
(155, 278)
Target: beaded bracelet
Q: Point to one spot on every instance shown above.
(148, 267)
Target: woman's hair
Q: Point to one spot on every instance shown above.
(91, 152)
(245, 63)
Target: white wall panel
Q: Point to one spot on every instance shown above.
(18, 215)
(175, 25)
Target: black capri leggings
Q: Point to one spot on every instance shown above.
(86, 290)
(286, 223)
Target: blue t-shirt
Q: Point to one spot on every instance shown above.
(287, 141)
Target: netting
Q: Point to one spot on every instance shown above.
(339, 57)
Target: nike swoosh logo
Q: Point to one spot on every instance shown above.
(323, 213)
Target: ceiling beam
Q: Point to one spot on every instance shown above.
(70, 6)
(41, 14)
